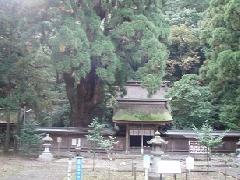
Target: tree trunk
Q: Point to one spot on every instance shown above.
(17, 132)
(94, 158)
(83, 97)
(18, 129)
(7, 138)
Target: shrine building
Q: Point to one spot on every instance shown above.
(135, 119)
(138, 116)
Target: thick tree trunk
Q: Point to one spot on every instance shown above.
(83, 98)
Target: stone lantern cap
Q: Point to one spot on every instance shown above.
(157, 139)
(47, 138)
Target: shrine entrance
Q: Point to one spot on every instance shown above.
(135, 141)
(139, 135)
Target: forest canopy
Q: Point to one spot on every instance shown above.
(65, 58)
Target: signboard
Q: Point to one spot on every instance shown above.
(196, 148)
(78, 142)
(169, 167)
(146, 161)
(59, 139)
(143, 132)
(189, 163)
(74, 142)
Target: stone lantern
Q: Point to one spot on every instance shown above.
(157, 151)
(157, 144)
(46, 154)
(238, 149)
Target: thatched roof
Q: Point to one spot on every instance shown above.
(136, 106)
(125, 116)
(136, 92)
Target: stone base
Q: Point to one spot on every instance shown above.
(45, 157)
(154, 176)
(238, 153)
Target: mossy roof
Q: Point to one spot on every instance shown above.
(142, 117)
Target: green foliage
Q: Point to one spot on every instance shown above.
(94, 45)
(190, 102)
(220, 33)
(29, 140)
(185, 52)
(98, 141)
(104, 43)
(186, 12)
(25, 69)
(108, 145)
(140, 36)
(206, 138)
(78, 45)
(186, 55)
(27, 74)
(224, 82)
(94, 134)
(60, 116)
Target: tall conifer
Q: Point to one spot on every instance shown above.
(221, 35)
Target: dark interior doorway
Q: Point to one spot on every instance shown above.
(135, 141)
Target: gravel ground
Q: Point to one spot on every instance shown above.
(18, 168)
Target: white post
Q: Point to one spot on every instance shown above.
(146, 174)
(127, 138)
(146, 165)
(78, 142)
(69, 169)
(59, 140)
(189, 165)
(24, 114)
(142, 150)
